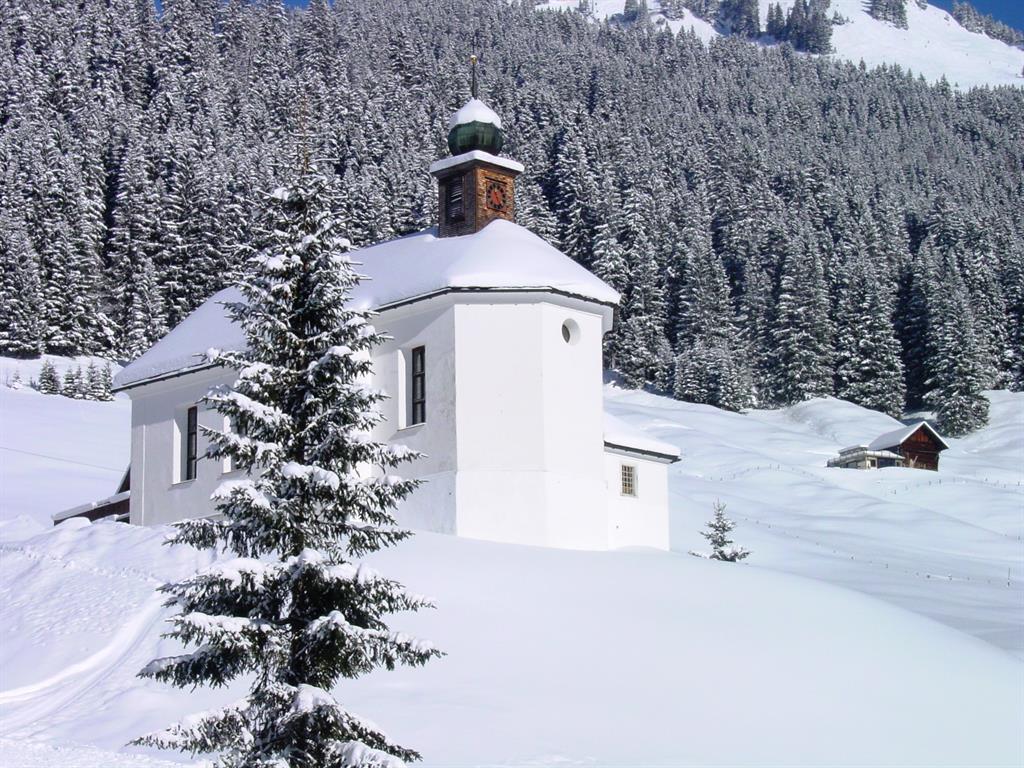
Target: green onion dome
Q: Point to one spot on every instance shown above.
(475, 126)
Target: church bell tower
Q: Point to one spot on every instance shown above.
(474, 185)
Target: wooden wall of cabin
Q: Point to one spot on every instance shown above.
(921, 450)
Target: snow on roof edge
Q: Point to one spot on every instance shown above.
(476, 154)
(501, 257)
(58, 517)
(620, 434)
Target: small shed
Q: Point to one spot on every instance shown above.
(919, 445)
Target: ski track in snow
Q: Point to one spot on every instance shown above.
(59, 691)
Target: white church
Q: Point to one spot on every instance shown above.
(493, 368)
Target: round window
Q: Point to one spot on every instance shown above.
(570, 332)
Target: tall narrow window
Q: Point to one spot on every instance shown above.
(419, 386)
(191, 442)
(455, 209)
(628, 480)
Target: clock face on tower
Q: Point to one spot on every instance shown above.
(496, 195)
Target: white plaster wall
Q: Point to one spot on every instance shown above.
(430, 324)
(158, 495)
(529, 424)
(640, 520)
(573, 403)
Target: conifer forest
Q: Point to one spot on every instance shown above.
(780, 226)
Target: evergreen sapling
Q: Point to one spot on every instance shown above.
(717, 534)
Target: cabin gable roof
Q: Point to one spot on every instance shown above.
(899, 436)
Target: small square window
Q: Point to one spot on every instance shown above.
(628, 480)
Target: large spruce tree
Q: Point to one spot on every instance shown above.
(869, 371)
(293, 609)
(958, 373)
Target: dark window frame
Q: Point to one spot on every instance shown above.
(191, 442)
(418, 386)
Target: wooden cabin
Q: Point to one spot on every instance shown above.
(916, 446)
(919, 445)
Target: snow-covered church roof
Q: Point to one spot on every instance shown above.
(502, 256)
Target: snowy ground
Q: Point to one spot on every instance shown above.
(56, 452)
(933, 45)
(946, 545)
(555, 657)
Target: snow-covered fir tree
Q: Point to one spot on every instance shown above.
(717, 535)
(71, 386)
(1014, 292)
(21, 330)
(869, 371)
(958, 375)
(806, 27)
(891, 11)
(134, 246)
(741, 17)
(98, 382)
(293, 608)
(711, 366)
(801, 328)
(49, 380)
(971, 18)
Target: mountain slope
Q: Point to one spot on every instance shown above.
(933, 45)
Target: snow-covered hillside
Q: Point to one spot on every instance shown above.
(56, 452)
(947, 545)
(933, 45)
(615, 658)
